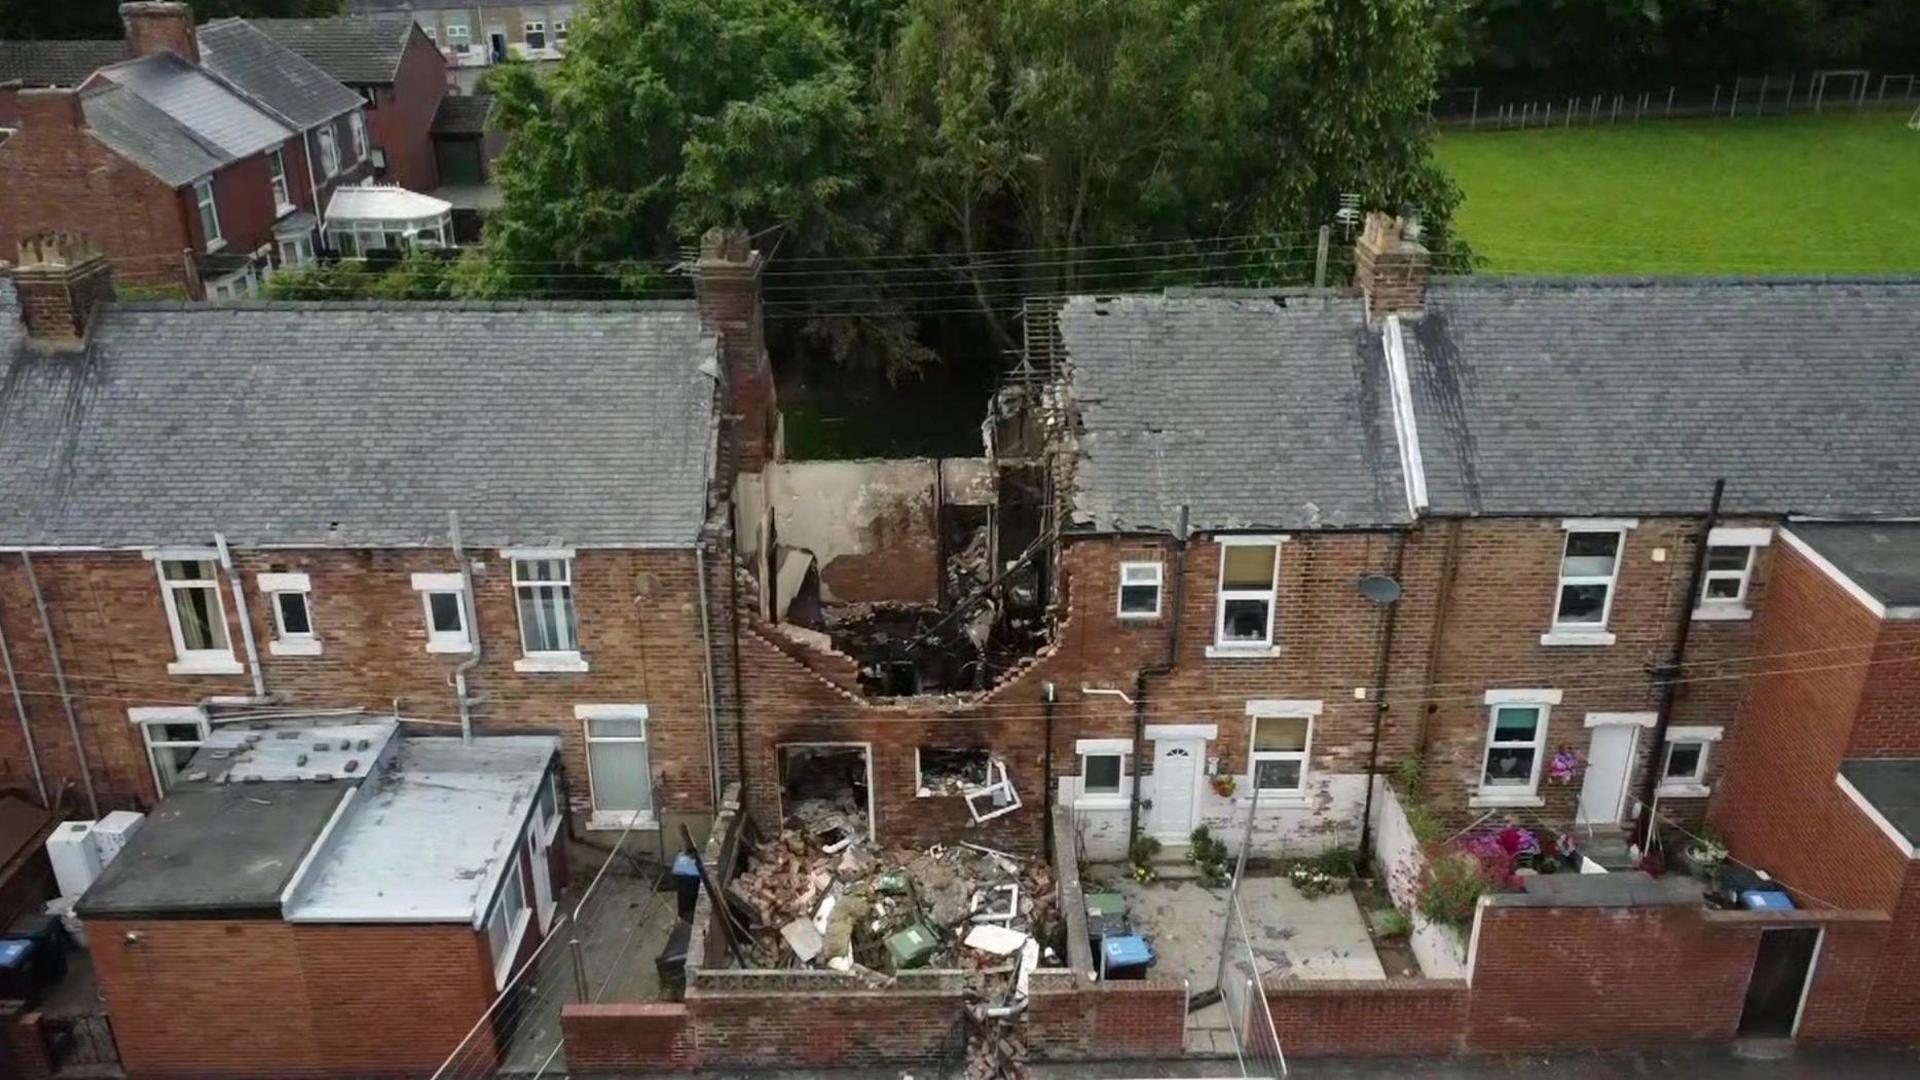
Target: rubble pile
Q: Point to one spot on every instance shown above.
(815, 897)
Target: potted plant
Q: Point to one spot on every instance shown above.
(1224, 785)
(1705, 856)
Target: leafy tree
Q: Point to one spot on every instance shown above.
(417, 275)
(84, 19)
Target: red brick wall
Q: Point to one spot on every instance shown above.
(1888, 723)
(1893, 1011)
(243, 193)
(636, 1038)
(1391, 1018)
(54, 175)
(402, 116)
(1778, 806)
(849, 1028)
(24, 1053)
(268, 998)
(639, 626)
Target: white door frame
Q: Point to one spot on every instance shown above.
(539, 855)
(1633, 722)
(1198, 747)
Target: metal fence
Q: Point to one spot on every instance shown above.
(1256, 1044)
(1476, 107)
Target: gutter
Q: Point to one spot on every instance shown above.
(713, 704)
(459, 676)
(1670, 673)
(1178, 544)
(60, 680)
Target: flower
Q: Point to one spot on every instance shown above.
(1563, 765)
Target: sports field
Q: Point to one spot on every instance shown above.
(1811, 194)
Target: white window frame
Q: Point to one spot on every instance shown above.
(357, 129)
(209, 210)
(1542, 701)
(296, 250)
(560, 29)
(459, 35)
(329, 152)
(441, 641)
(1153, 574)
(1734, 608)
(194, 661)
(513, 923)
(555, 660)
(1221, 647)
(277, 172)
(1694, 786)
(147, 718)
(534, 26)
(1587, 633)
(616, 819)
(1258, 710)
(1115, 748)
(273, 587)
(550, 826)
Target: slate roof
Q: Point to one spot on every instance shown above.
(1882, 557)
(1256, 411)
(463, 115)
(1892, 786)
(57, 63)
(359, 425)
(1595, 396)
(199, 107)
(362, 50)
(272, 75)
(148, 137)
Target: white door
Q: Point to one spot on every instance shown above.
(1609, 761)
(542, 877)
(1176, 776)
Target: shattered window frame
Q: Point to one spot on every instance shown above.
(924, 790)
(1004, 799)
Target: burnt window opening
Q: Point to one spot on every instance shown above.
(952, 771)
(826, 792)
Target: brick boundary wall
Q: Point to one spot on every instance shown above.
(24, 1053)
(1398, 1017)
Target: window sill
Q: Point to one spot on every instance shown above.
(619, 820)
(1242, 652)
(282, 210)
(1577, 637)
(1728, 613)
(309, 647)
(1683, 791)
(1102, 802)
(1288, 800)
(216, 245)
(211, 665)
(551, 663)
(451, 647)
(1496, 801)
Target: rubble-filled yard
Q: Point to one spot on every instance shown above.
(827, 898)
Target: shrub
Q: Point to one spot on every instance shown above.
(1209, 853)
(1454, 884)
(1390, 923)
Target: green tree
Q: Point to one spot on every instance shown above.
(84, 19)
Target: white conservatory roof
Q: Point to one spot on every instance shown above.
(383, 202)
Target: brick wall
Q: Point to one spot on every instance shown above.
(24, 1053)
(638, 617)
(1399, 1017)
(403, 114)
(243, 193)
(637, 1038)
(273, 998)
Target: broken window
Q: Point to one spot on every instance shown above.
(1247, 574)
(995, 799)
(952, 771)
(825, 792)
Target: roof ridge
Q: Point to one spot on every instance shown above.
(239, 306)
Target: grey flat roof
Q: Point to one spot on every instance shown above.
(277, 78)
(1256, 411)
(428, 838)
(1881, 557)
(211, 849)
(360, 425)
(1891, 786)
(57, 63)
(1631, 395)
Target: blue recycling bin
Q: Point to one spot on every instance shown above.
(1125, 956)
(1766, 900)
(19, 974)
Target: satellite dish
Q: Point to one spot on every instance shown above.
(1380, 589)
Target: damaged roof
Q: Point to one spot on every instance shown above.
(360, 49)
(360, 425)
(274, 76)
(1633, 395)
(1257, 411)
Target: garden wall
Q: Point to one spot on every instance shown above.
(1371, 1018)
(1402, 865)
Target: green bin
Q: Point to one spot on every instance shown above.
(912, 947)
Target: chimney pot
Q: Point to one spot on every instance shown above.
(1391, 267)
(156, 25)
(61, 280)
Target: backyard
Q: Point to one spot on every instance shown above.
(1833, 193)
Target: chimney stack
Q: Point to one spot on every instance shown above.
(727, 288)
(1390, 269)
(61, 281)
(154, 25)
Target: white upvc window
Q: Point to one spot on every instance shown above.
(209, 214)
(459, 34)
(1140, 590)
(443, 601)
(190, 588)
(329, 153)
(547, 812)
(507, 925)
(543, 593)
(357, 127)
(1516, 745)
(1244, 606)
(296, 251)
(1683, 764)
(172, 735)
(1727, 578)
(290, 598)
(560, 31)
(1589, 571)
(1281, 744)
(536, 33)
(1104, 772)
(282, 195)
(619, 776)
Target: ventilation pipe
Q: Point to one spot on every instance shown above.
(1178, 544)
(240, 609)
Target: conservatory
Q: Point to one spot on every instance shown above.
(363, 220)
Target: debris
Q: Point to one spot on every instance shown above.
(997, 905)
(997, 940)
(803, 939)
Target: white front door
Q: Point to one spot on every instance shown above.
(1176, 780)
(1609, 761)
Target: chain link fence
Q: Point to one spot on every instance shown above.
(1476, 107)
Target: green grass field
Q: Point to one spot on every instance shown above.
(1806, 194)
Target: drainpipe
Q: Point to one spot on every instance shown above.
(459, 677)
(60, 681)
(240, 608)
(20, 710)
(713, 703)
(1046, 769)
(1674, 667)
(1381, 672)
(313, 192)
(733, 628)
(1178, 544)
